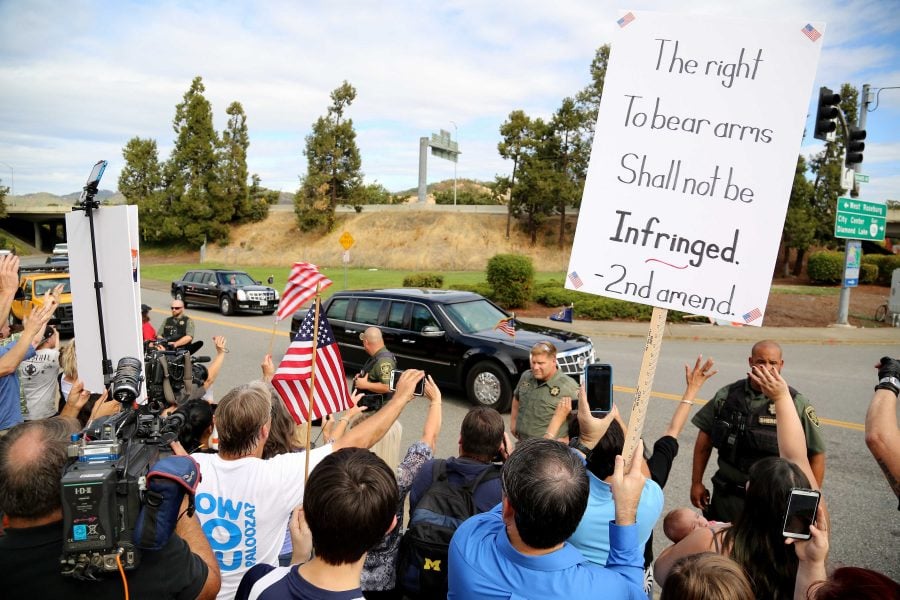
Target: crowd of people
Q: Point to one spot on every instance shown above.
(546, 509)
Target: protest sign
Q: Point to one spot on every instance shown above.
(693, 160)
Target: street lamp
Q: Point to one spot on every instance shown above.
(456, 137)
(12, 178)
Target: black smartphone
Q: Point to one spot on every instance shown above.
(801, 513)
(395, 377)
(598, 388)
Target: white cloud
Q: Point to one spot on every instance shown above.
(81, 78)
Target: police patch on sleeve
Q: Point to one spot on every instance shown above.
(385, 368)
(554, 391)
(812, 416)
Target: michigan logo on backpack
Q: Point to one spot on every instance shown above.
(422, 567)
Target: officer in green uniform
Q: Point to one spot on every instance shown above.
(539, 391)
(376, 373)
(740, 423)
(178, 329)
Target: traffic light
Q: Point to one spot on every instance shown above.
(827, 114)
(855, 147)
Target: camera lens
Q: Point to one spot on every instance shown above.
(126, 384)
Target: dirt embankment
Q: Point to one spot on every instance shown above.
(413, 239)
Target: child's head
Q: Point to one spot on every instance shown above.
(681, 521)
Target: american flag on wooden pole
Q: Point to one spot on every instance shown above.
(301, 286)
(310, 378)
(507, 326)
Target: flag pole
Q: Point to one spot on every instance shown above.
(312, 381)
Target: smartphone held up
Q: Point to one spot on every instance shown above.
(598, 388)
(801, 513)
(395, 378)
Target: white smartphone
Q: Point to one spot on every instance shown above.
(801, 513)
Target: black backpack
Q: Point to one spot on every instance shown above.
(422, 567)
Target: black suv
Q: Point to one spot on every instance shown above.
(229, 290)
(449, 334)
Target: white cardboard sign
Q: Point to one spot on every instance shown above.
(694, 154)
(118, 251)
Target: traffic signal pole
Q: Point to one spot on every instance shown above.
(844, 300)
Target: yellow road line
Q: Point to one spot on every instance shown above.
(698, 402)
(229, 324)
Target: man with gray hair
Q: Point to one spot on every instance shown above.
(244, 502)
(519, 548)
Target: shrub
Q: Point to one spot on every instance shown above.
(481, 288)
(588, 306)
(888, 263)
(868, 273)
(825, 267)
(424, 280)
(511, 277)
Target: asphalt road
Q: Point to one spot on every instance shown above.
(837, 378)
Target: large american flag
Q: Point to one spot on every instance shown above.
(293, 377)
(301, 286)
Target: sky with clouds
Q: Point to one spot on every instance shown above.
(78, 79)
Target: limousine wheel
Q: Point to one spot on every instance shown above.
(487, 385)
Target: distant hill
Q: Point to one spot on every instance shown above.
(46, 199)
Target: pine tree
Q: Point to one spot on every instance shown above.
(235, 141)
(194, 204)
(334, 168)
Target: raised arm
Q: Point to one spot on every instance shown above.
(882, 432)
(34, 326)
(791, 439)
(9, 283)
(563, 408)
(373, 429)
(433, 419)
(188, 528)
(694, 380)
(216, 365)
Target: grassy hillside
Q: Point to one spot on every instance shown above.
(403, 239)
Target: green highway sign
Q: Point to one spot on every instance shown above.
(860, 178)
(859, 220)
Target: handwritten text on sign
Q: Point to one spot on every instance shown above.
(694, 153)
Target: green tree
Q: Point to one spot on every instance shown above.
(534, 195)
(589, 98)
(799, 222)
(260, 200)
(193, 206)
(334, 167)
(572, 137)
(233, 163)
(512, 147)
(141, 177)
(3, 192)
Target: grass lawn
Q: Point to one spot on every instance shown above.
(354, 279)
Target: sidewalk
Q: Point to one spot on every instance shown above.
(888, 336)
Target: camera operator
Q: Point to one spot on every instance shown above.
(882, 432)
(177, 330)
(32, 458)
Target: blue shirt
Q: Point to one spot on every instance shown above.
(483, 564)
(10, 408)
(592, 535)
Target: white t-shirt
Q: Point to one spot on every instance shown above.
(244, 506)
(38, 384)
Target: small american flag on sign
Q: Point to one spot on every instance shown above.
(293, 378)
(811, 32)
(575, 279)
(752, 315)
(507, 326)
(628, 18)
(301, 286)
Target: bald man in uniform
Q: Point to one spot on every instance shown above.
(376, 373)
